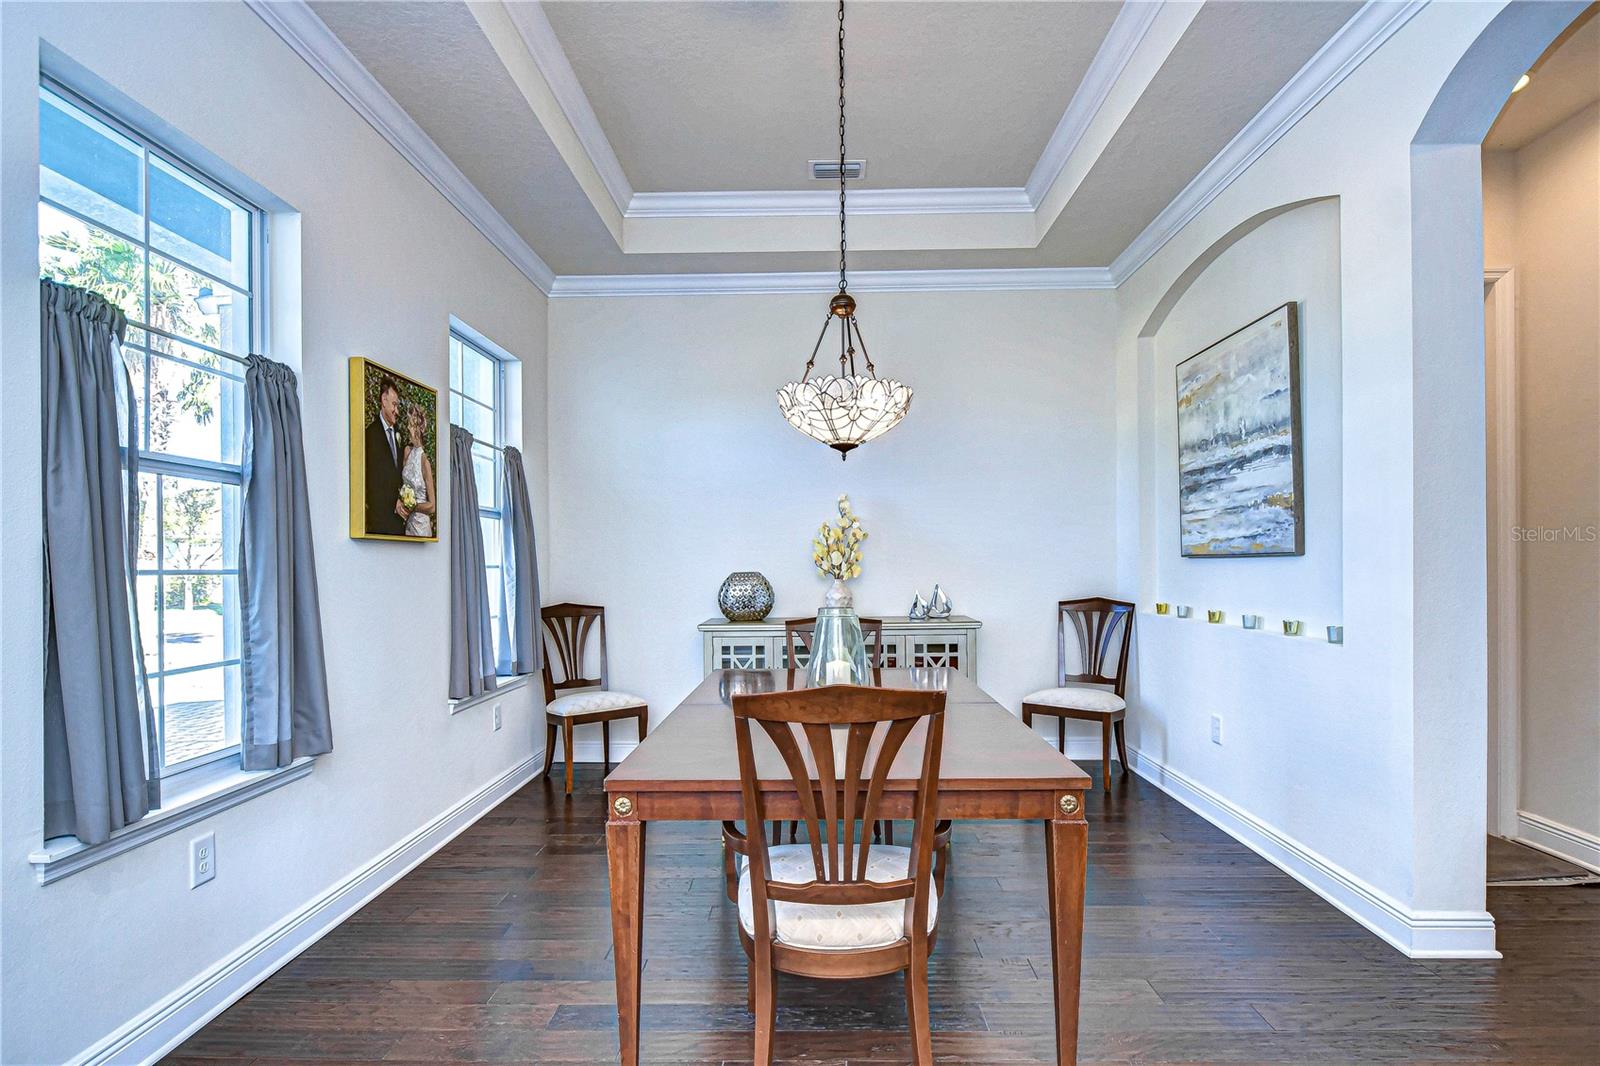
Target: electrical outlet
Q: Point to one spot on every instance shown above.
(202, 859)
(498, 722)
(1216, 729)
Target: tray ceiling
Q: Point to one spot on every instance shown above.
(706, 96)
(645, 138)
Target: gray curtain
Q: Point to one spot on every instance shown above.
(285, 676)
(101, 756)
(471, 640)
(521, 650)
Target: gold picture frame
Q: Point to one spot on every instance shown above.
(377, 394)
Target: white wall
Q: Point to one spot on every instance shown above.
(671, 467)
(386, 261)
(1358, 767)
(1542, 219)
(1279, 736)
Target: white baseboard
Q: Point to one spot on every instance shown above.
(159, 1029)
(1418, 934)
(1562, 841)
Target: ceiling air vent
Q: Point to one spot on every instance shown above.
(828, 169)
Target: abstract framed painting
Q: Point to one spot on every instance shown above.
(1241, 490)
(394, 453)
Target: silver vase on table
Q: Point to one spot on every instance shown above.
(745, 596)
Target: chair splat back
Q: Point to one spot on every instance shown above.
(1103, 629)
(568, 627)
(840, 793)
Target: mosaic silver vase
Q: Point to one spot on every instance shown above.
(745, 596)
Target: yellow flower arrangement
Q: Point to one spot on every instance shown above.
(836, 549)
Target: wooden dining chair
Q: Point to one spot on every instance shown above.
(1103, 630)
(568, 626)
(838, 907)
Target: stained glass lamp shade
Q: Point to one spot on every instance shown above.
(843, 412)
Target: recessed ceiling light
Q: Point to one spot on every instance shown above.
(1522, 83)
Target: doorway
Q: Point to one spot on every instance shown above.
(1541, 193)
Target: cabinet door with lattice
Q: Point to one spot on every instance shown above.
(780, 654)
(936, 649)
(742, 653)
(894, 651)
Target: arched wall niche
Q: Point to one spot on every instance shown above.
(1288, 253)
(1184, 280)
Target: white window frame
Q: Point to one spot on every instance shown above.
(503, 366)
(161, 463)
(201, 788)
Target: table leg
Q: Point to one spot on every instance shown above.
(1066, 848)
(625, 853)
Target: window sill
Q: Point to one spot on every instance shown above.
(198, 794)
(503, 684)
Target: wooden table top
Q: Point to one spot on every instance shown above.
(986, 747)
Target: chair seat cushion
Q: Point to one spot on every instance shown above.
(1078, 699)
(591, 701)
(846, 927)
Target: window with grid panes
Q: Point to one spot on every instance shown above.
(477, 404)
(179, 253)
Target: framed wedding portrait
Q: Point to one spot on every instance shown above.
(394, 455)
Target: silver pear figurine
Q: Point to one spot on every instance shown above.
(940, 607)
(919, 608)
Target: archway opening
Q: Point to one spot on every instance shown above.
(1541, 196)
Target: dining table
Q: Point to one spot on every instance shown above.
(992, 767)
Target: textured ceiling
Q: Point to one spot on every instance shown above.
(983, 125)
(710, 96)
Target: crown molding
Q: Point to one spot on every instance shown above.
(822, 281)
(306, 34)
(533, 26)
(309, 37)
(1133, 21)
(1367, 30)
(826, 202)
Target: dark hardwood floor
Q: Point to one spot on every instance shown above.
(1195, 950)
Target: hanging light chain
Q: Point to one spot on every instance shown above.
(843, 412)
(844, 285)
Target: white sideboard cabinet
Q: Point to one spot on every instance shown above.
(951, 642)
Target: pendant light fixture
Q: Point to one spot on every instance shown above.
(846, 411)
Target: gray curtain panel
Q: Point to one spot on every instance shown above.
(471, 640)
(285, 675)
(521, 648)
(101, 756)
